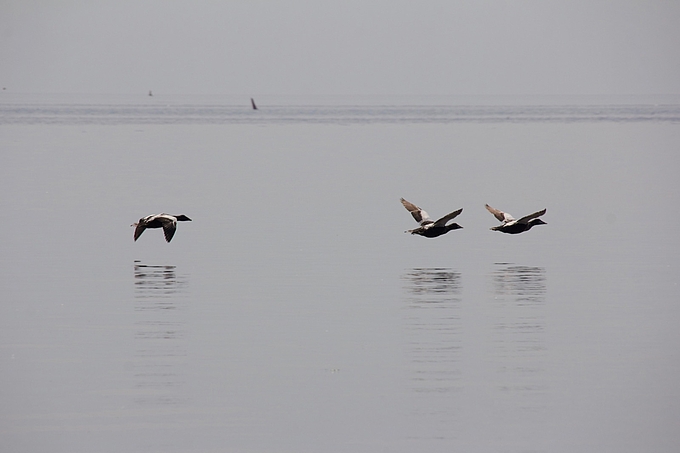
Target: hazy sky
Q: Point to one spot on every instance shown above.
(341, 47)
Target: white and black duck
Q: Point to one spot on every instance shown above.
(428, 227)
(166, 221)
(512, 226)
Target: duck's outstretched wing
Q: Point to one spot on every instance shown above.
(139, 228)
(169, 232)
(526, 218)
(169, 228)
(442, 222)
(500, 215)
(417, 213)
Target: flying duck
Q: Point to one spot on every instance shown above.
(428, 227)
(512, 226)
(166, 221)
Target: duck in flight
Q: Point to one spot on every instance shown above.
(428, 227)
(166, 221)
(512, 226)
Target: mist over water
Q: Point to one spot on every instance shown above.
(186, 110)
(294, 314)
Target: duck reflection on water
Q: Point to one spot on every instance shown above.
(433, 281)
(433, 324)
(518, 332)
(517, 280)
(156, 281)
(160, 332)
(434, 338)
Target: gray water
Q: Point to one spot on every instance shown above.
(294, 315)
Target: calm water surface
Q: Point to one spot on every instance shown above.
(294, 315)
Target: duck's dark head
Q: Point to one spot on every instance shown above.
(534, 222)
(453, 226)
(182, 218)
